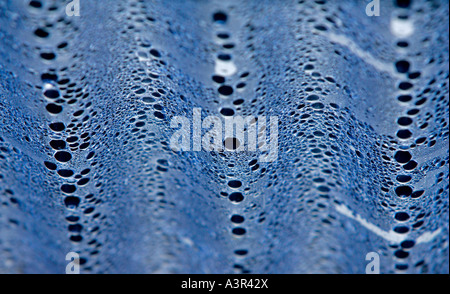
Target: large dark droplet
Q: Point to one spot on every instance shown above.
(402, 66)
(68, 189)
(63, 156)
(236, 197)
(58, 144)
(237, 219)
(57, 127)
(53, 108)
(234, 184)
(239, 231)
(403, 191)
(402, 156)
(50, 165)
(225, 90)
(65, 173)
(72, 201)
(401, 216)
(220, 17)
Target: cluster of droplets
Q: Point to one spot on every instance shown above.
(70, 132)
(106, 139)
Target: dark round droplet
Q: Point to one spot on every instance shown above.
(407, 244)
(83, 260)
(223, 35)
(72, 218)
(417, 194)
(402, 66)
(35, 4)
(65, 173)
(224, 57)
(402, 44)
(48, 55)
(63, 156)
(324, 189)
(62, 45)
(403, 3)
(318, 105)
(218, 79)
(50, 165)
(88, 210)
(155, 53)
(401, 254)
(220, 17)
(148, 99)
(320, 27)
(57, 127)
(83, 182)
(236, 197)
(401, 267)
(421, 140)
(237, 219)
(76, 238)
(58, 144)
(240, 85)
(414, 75)
(41, 33)
(75, 228)
(225, 90)
(403, 178)
(418, 224)
(85, 171)
(228, 46)
(403, 191)
(158, 115)
(72, 201)
(402, 156)
(312, 98)
(404, 121)
(241, 252)
(404, 134)
(413, 111)
(401, 216)
(69, 189)
(227, 112)
(49, 77)
(53, 108)
(51, 93)
(404, 98)
(405, 86)
(238, 231)
(234, 184)
(401, 229)
(410, 165)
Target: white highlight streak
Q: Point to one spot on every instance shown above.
(391, 236)
(363, 55)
